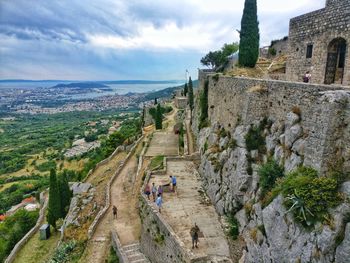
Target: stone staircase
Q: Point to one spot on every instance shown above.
(134, 254)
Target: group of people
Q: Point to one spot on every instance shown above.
(157, 193)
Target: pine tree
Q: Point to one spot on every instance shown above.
(54, 208)
(190, 93)
(159, 118)
(249, 35)
(155, 101)
(185, 89)
(65, 193)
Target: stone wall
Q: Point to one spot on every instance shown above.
(324, 111)
(318, 28)
(309, 125)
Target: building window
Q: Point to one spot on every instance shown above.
(309, 51)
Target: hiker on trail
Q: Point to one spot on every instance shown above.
(147, 191)
(173, 183)
(154, 191)
(159, 202)
(160, 190)
(115, 211)
(307, 77)
(194, 234)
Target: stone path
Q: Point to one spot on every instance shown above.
(124, 194)
(163, 143)
(188, 206)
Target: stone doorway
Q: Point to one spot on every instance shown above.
(335, 61)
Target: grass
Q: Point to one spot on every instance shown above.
(38, 251)
(157, 163)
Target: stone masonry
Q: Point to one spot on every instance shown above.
(317, 30)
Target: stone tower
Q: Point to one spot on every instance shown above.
(319, 44)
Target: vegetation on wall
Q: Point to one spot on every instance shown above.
(190, 94)
(308, 196)
(249, 35)
(203, 103)
(268, 174)
(254, 139)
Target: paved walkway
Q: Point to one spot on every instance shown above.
(186, 207)
(163, 143)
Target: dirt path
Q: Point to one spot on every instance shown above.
(124, 194)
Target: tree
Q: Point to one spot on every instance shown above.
(159, 118)
(155, 101)
(218, 59)
(190, 94)
(54, 208)
(204, 106)
(65, 193)
(185, 89)
(249, 35)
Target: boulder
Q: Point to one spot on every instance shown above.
(292, 134)
(292, 162)
(239, 136)
(342, 254)
(292, 119)
(299, 147)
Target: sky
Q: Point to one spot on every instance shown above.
(127, 39)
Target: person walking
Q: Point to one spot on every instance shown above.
(147, 191)
(173, 183)
(159, 202)
(154, 191)
(115, 212)
(194, 232)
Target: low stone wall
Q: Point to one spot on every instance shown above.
(117, 246)
(31, 233)
(99, 216)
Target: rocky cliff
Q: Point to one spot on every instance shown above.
(251, 122)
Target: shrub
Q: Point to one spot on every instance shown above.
(272, 51)
(268, 173)
(308, 196)
(156, 163)
(234, 227)
(254, 139)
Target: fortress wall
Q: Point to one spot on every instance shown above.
(324, 111)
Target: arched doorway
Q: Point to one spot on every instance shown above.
(335, 61)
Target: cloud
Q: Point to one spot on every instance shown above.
(99, 39)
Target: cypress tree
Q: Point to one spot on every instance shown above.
(249, 35)
(155, 101)
(54, 208)
(185, 89)
(65, 193)
(159, 118)
(190, 93)
(204, 106)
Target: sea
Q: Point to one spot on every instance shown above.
(121, 88)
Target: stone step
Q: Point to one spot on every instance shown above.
(134, 253)
(135, 246)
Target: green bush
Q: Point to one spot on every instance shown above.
(254, 139)
(308, 196)
(62, 253)
(269, 173)
(46, 166)
(14, 228)
(234, 227)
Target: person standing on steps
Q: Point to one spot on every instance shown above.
(115, 212)
(154, 191)
(194, 234)
(173, 183)
(159, 202)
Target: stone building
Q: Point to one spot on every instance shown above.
(319, 43)
(181, 102)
